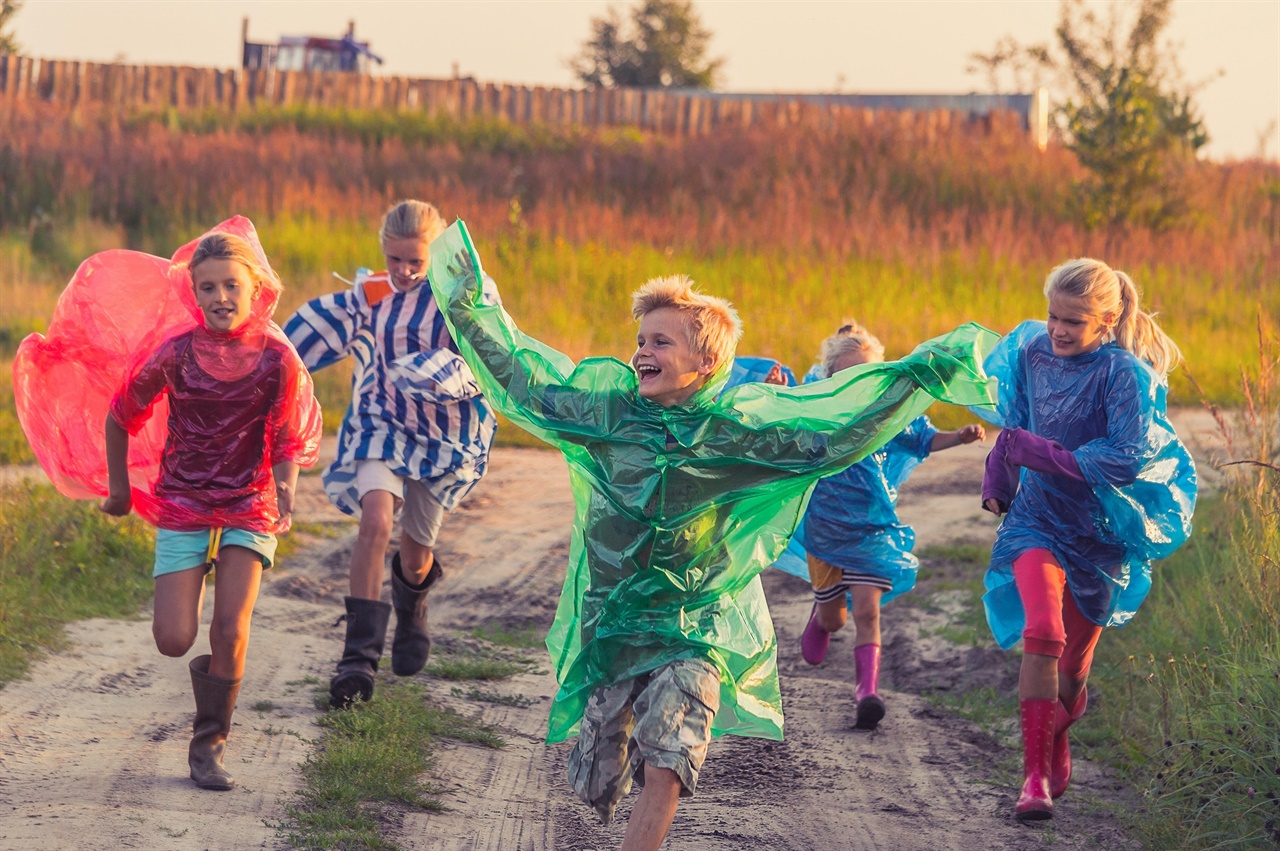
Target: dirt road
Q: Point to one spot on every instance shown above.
(93, 745)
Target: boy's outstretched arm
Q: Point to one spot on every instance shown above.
(822, 427)
(533, 385)
(119, 492)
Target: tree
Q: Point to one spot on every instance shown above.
(8, 8)
(664, 44)
(1125, 109)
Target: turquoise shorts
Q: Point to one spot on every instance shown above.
(177, 551)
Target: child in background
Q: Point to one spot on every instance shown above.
(241, 419)
(683, 495)
(855, 545)
(1095, 484)
(415, 440)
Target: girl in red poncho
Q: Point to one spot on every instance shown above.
(241, 419)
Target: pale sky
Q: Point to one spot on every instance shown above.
(865, 46)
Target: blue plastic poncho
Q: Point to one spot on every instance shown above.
(1108, 407)
(677, 510)
(852, 517)
(747, 368)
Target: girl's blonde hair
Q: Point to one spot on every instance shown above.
(228, 246)
(850, 337)
(411, 220)
(713, 325)
(1101, 290)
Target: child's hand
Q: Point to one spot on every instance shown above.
(971, 433)
(775, 376)
(116, 505)
(284, 502)
(992, 505)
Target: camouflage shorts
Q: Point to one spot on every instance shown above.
(662, 719)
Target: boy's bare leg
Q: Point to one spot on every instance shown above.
(377, 512)
(235, 592)
(866, 613)
(832, 615)
(415, 560)
(179, 600)
(654, 811)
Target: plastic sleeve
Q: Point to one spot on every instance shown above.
(297, 421)
(824, 426)
(530, 383)
(132, 405)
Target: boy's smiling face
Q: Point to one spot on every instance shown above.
(670, 370)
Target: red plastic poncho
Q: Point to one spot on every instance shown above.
(208, 413)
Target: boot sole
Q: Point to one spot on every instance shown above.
(407, 670)
(870, 712)
(216, 787)
(1035, 815)
(346, 689)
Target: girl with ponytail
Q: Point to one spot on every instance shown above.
(1093, 484)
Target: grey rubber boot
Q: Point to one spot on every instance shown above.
(215, 702)
(366, 633)
(411, 646)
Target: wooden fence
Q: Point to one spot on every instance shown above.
(681, 112)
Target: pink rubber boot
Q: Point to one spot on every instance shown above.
(866, 659)
(815, 640)
(1060, 767)
(1038, 715)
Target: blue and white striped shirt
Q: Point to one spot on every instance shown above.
(415, 403)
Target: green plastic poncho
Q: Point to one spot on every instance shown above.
(678, 510)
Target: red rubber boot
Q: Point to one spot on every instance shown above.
(1060, 767)
(866, 660)
(1038, 716)
(815, 640)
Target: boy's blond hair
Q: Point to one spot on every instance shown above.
(713, 325)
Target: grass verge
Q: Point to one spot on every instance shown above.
(60, 561)
(1191, 689)
(370, 763)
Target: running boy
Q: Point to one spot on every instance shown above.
(662, 638)
(415, 440)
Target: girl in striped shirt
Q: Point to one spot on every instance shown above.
(415, 440)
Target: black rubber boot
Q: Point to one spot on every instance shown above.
(411, 646)
(366, 633)
(215, 703)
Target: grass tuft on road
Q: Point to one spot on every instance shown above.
(370, 763)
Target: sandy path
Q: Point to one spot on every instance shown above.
(93, 745)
